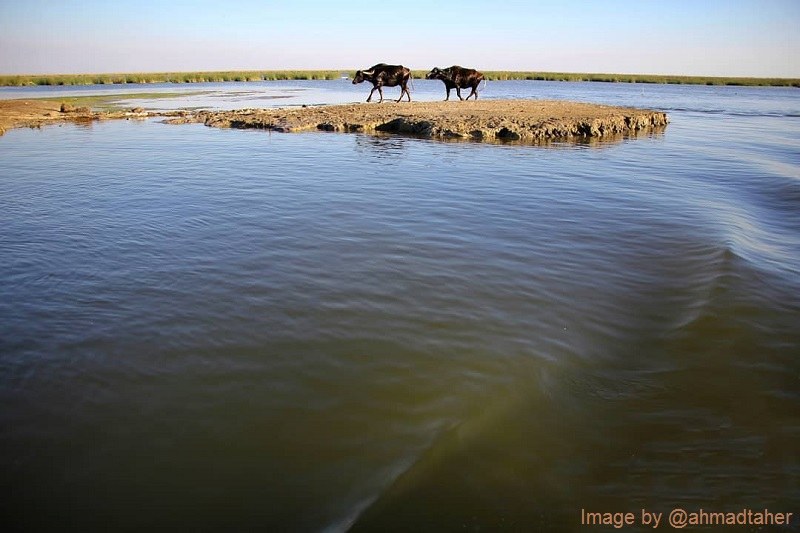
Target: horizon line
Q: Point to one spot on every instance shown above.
(317, 70)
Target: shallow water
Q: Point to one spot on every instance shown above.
(222, 329)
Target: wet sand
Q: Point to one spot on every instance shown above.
(486, 120)
(489, 120)
(37, 113)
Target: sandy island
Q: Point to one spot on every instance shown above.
(37, 113)
(484, 120)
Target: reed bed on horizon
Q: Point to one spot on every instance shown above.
(167, 77)
(271, 75)
(495, 75)
(642, 78)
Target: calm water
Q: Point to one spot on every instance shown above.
(206, 329)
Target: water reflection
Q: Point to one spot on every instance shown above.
(380, 145)
(83, 122)
(386, 142)
(605, 141)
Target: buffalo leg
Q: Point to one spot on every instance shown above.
(448, 94)
(369, 98)
(458, 92)
(380, 92)
(404, 89)
(474, 92)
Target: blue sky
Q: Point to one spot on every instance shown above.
(692, 37)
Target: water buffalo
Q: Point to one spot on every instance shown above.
(458, 78)
(383, 75)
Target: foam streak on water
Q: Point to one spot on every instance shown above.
(209, 329)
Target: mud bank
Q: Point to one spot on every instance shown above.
(484, 120)
(37, 113)
(487, 120)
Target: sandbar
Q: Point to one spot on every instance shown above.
(483, 120)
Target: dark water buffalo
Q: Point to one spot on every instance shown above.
(383, 75)
(457, 78)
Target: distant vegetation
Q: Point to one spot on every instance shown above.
(631, 78)
(168, 77)
(196, 77)
(640, 78)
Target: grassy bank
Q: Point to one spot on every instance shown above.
(167, 77)
(632, 78)
(196, 77)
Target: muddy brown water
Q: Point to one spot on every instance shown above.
(215, 329)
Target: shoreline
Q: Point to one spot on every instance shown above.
(527, 121)
(23, 80)
(35, 113)
(530, 121)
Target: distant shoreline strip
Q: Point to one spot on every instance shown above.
(24, 80)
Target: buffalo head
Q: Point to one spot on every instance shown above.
(434, 74)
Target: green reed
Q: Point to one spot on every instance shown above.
(640, 78)
(168, 77)
(270, 75)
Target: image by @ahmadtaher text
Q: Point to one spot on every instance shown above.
(679, 518)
